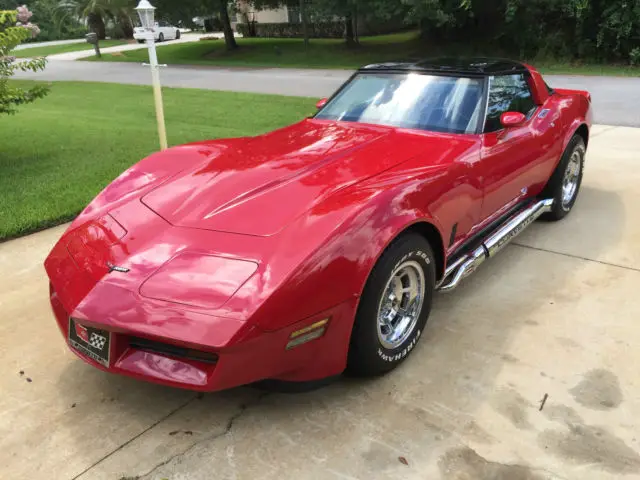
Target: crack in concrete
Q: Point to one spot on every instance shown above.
(229, 426)
(633, 269)
(120, 447)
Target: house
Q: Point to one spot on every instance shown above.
(285, 21)
(245, 12)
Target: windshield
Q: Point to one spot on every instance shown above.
(425, 102)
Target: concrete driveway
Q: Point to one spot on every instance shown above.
(89, 51)
(50, 43)
(554, 316)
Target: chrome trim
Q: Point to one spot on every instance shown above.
(468, 265)
(571, 178)
(400, 305)
(507, 231)
(515, 225)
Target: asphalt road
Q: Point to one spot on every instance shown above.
(616, 100)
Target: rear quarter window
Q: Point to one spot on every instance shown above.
(507, 93)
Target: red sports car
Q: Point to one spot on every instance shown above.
(316, 248)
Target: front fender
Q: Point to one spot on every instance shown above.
(337, 271)
(148, 173)
(364, 222)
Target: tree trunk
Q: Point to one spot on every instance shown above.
(229, 39)
(96, 25)
(305, 26)
(126, 25)
(348, 29)
(356, 35)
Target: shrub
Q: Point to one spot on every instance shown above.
(293, 30)
(14, 29)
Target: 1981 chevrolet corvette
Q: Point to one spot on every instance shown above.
(318, 247)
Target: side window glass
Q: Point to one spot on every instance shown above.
(507, 93)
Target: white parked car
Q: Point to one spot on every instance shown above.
(161, 31)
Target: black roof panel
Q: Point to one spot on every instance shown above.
(474, 66)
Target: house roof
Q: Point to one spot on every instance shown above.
(473, 66)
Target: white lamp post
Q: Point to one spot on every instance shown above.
(146, 14)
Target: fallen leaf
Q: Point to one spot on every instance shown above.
(29, 380)
(403, 461)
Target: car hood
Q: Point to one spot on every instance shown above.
(258, 185)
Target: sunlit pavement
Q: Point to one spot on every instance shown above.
(184, 38)
(554, 316)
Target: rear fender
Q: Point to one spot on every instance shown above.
(572, 130)
(566, 91)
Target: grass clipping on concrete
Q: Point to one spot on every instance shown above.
(59, 152)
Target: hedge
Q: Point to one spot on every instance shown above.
(292, 30)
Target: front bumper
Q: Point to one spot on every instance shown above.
(246, 357)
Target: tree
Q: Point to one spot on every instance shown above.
(181, 12)
(304, 21)
(229, 38)
(353, 11)
(95, 12)
(45, 15)
(14, 29)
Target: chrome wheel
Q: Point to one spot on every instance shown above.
(401, 303)
(571, 178)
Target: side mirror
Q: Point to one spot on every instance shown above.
(512, 119)
(321, 103)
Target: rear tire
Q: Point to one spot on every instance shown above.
(565, 181)
(177, 34)
(394, 307)
(161, 37)
(140, 41)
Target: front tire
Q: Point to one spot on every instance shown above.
(161, 37)
(566, 179)
(177, 34)
(394, 307)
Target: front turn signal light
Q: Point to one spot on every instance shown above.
(308, 333)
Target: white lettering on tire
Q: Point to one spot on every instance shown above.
(423, 255)
(405, 351)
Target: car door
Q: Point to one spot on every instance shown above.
(509, 157)
(170, 31)
(162, 29)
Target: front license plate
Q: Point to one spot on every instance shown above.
(89, 341)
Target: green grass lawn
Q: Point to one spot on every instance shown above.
(71, 47)
(59, 152)
(333, 53)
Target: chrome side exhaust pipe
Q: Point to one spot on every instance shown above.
(490, 246)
